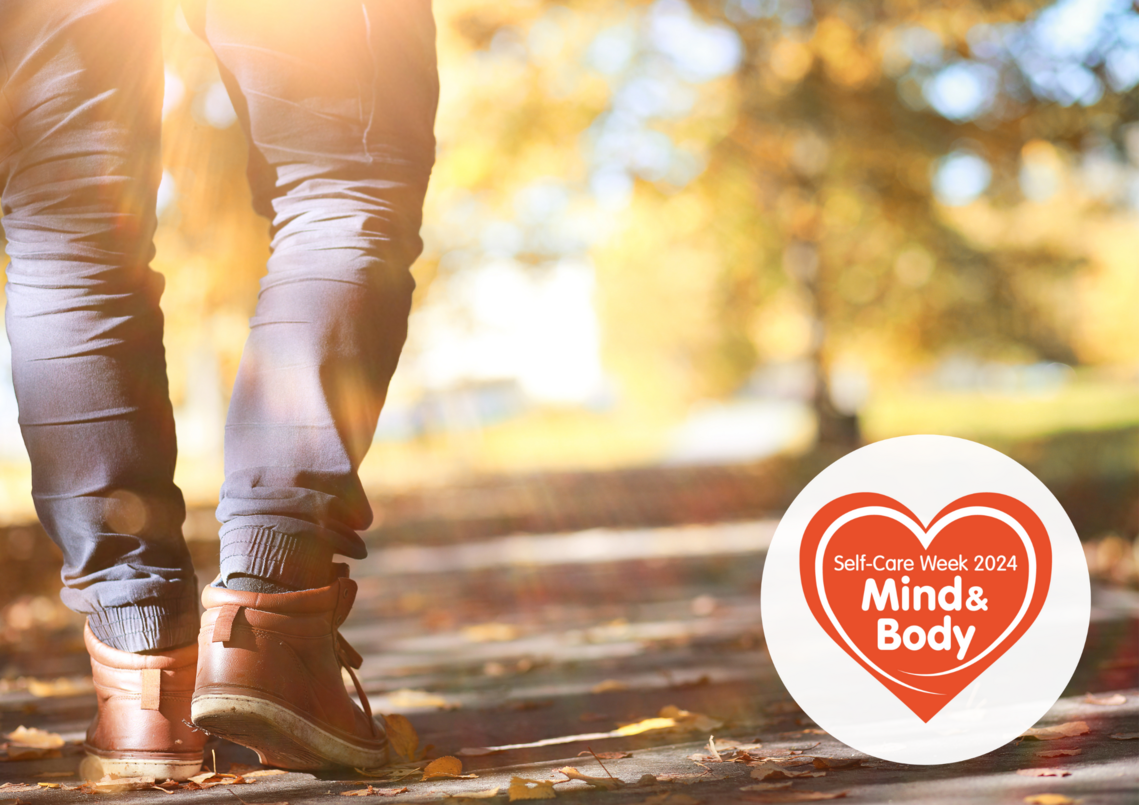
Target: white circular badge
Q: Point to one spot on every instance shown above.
(925, 599)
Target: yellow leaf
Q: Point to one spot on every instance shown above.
(490, 632)
(445, 767)
(608, 686)
(405, 697)
(35, 738)
(1048, 799)
(402, 736)
(647, 725)
(48, 785)
(522, 788)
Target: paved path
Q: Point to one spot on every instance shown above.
(545, 644)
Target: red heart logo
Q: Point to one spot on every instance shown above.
(925, 609)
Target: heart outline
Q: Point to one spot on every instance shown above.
(1038, 543)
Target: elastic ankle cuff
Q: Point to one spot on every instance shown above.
(152, 626)
(300, 562)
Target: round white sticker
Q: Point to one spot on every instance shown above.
(925, 599)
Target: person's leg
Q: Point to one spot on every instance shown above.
(80, 112)
(338, 101)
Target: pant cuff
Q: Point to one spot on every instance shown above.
(301, 562)
(152, 626)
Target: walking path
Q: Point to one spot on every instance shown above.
(524, 655)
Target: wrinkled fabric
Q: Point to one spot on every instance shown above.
(338, 102)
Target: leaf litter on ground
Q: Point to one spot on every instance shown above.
(522, 788)
(446, 768)
(372, 791)
(1068, 729)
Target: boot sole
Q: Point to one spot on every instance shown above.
(279, 736)
(96, 767)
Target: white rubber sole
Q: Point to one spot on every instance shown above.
(279, 736)
(93, 767)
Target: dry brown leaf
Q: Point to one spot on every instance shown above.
(796, 796)
(115, 785)
(606, 755)
(1060, 753)
(1125, 736)
(36, 738)
(1069, 729)
(261, 773)
(1112, 700)
(712, 749)
(1049, 799)
(608, 686)
(602, 783)
(401, 735)
(522, 788)
(447, 767)
(488, 793)
(1044, 773)
(776, 771)
(371, 791)
(836, 762)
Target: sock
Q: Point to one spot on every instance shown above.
(256, 584)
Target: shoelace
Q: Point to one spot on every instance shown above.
(351, 660)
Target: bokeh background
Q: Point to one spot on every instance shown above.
(681, 253)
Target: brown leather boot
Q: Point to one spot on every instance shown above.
(269, 678)
(143, 725)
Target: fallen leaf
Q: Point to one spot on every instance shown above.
(602, 783)
(796, 796)
(1043, 773)
(1125, 736)
(407, 698)
(606, 755)
(1060, 752)
(712, 749)
(522, 788)
(115, 785)
(391, 774)
(459, 799)
(608, 686)
(1068, 729)
(490, 632)
(775, 771)
(645, 725)
(836, 762)
(1113, 699)
(693, 721)
(647, 779)
(371, 791)
(447, 767)
(262, 773)
(48, 785)
(1048, 799)
(46, 688)
(401, 735)
(37, 738)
